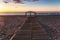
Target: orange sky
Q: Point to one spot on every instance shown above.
(11, 7)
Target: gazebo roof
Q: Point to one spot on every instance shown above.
(31, 12)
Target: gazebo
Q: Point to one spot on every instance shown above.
(30, 13)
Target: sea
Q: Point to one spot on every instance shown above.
(23, 13)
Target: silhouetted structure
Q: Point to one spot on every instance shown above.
(30, 13)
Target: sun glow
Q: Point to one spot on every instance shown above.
(12, 7)
(1, 7)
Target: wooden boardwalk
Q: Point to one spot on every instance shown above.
(32, 30)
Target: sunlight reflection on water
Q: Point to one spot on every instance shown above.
(12, 13)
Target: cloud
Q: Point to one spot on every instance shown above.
(18, 1)
(35, 0)
(14, 1)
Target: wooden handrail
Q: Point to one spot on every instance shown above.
(17, 31)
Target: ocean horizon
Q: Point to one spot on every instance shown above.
(23, 13)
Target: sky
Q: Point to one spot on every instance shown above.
(40, 5)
